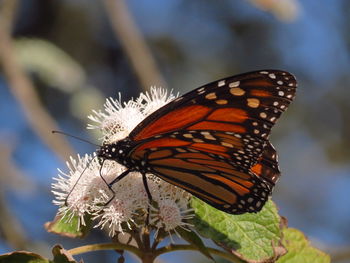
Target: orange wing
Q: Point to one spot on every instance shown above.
(249, 103)
(267, 166)
(213, 141)
(208, 175)
(214, 166)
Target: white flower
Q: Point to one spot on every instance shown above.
(170, 215)
(117, 120)
(154, 100)
(117, 212)
(82, 191)
(78, 191)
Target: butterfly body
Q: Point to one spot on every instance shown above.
(213, 141)
(117, 151)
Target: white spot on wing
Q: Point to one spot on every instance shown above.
(221, 83)
(234, 84)
(272, 76)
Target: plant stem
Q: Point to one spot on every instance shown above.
(106, 246)
(146, 238)
(151, 255)
(223, 254)
(148, 258)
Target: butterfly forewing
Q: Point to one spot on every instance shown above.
(248, 104)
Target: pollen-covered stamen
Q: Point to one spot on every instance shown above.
(119, 211)
(170, 215)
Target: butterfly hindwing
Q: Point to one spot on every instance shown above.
(214, 166)
(267, 166)
(217, 181)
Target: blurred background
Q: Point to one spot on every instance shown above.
(61, 60)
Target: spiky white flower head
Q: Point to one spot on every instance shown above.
(78, 191)
(119, 119)
(172, 211)
(154, 100)
(119, 211)
(82, 191)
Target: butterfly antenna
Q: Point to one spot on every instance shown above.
(75, 184)
(75, 137)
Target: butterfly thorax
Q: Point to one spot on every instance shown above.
(117, 151)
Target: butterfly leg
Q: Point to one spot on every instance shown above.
(117, 179)
(145, 183)
(144, 179)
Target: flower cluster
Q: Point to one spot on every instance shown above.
(82, 191)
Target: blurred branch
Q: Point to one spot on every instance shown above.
(11, 177)
(133, 44)
(23, 89)
(8, 13)
(10, 229)
(341, 255)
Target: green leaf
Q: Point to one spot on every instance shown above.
(60, 255)
(71, 228)
(192, 238)
(23, 257)
(254, 237)
(300, 250)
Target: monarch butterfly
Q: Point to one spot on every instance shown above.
(213, 141)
